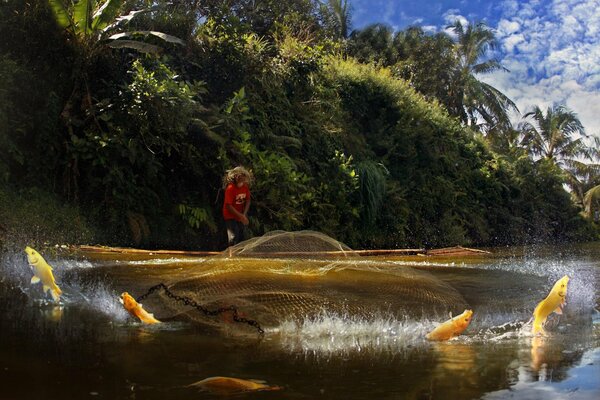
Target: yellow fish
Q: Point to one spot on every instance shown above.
(552, 303)
(451, 328)
(136, 309)
(42, 272)
(226, 386)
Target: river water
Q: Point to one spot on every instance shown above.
(352, 333)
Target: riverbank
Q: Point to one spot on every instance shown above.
(40, 219)
(37, 218)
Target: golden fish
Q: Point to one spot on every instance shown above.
(451, 328)
(552, 303)
(226, 386)
(42, 272)
(136, 309)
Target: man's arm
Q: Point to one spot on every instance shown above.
(241, 217)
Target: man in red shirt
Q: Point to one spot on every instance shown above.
(236, 203)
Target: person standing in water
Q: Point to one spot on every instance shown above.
(236, 203)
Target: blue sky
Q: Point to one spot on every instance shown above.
(551, 47)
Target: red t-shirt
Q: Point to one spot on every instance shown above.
(237, 197)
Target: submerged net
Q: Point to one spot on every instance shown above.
(298, 276)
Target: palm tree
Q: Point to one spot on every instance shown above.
(341, 12)
(373, 43)
(423, 60)
(559, 136)
(469, 98)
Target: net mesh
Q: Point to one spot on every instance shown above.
(285, 276)
(299, 245)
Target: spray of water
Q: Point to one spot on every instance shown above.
(15, 274)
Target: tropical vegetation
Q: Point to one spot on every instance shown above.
(128, 113)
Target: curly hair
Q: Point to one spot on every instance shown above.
(232, 175)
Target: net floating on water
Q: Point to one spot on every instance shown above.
(298, 276)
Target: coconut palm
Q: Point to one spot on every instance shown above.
(373, 43)
(558, 135)
(341, 12)
(468, 97)
(423, 60)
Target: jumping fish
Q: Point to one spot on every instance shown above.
(451, 328)
(134, 308)
(42, 272)
(552, 303)
(227, 386)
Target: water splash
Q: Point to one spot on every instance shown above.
(97, 295)
(332, 333)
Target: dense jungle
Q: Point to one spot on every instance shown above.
(119, 118)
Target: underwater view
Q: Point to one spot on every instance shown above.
(314, 321)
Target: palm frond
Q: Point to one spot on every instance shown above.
(61, 14)
(82, 16)
(106, 14)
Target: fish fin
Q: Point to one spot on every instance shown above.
(45, 288)
(450, 314)
(558, 310)
(34, 279)
(121, 300)
(55, 295)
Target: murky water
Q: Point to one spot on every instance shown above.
(348, 337)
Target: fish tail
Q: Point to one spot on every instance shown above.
(538, 327)
(56, 292)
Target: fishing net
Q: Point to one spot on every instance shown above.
(294, 276)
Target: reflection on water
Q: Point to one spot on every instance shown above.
(354, 332)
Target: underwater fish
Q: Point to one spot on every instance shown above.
(451, 328)
(226, 386)
(552, 303)
(134, 308)
(42, 272)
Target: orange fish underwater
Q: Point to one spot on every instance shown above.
(226, 386)
(451, 328)
(136, 309)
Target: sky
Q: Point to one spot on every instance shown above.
(550, 47)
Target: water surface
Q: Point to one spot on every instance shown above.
(337, 332)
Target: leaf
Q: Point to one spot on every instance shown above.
(133, 44)
(124, 19)
(60, 13)
(106, 14)
(166, 38)
(163, 36)
(82, 16)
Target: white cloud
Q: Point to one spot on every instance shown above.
(512, 41)
(430, 28)
(586, 105)
(553, 52)
(506, 27)
(454, 15)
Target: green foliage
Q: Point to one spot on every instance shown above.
(372, 177)
(33, 217)
(141, 142)
(197, 216)
(9, 151)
